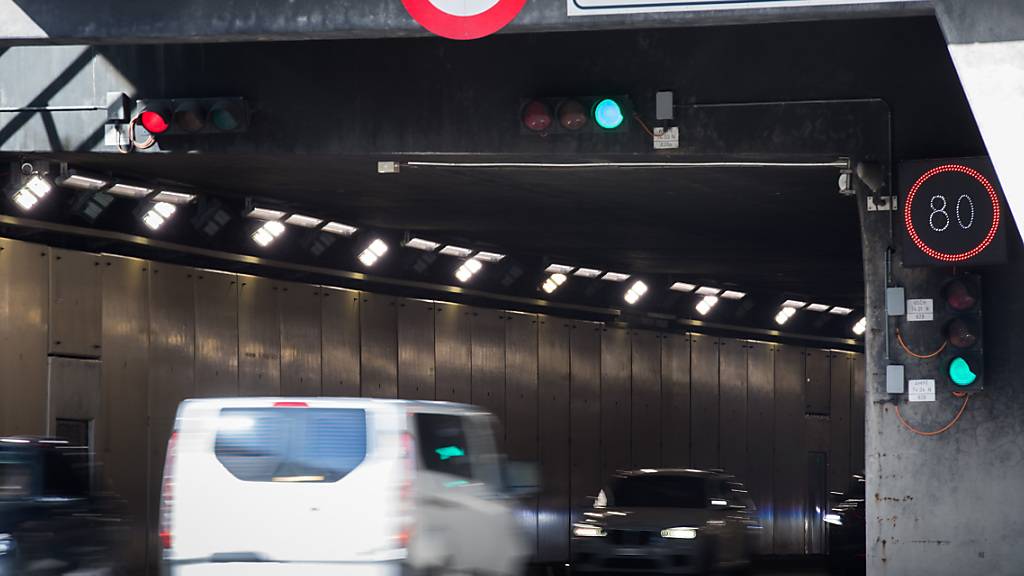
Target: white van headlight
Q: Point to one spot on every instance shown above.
(680, 532)
(588, 531)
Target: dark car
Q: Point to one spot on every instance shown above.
(847, 544)
(50, 520)
(666, 521)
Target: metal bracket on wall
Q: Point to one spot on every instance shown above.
(883, 204)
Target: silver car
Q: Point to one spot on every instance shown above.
(669, 521)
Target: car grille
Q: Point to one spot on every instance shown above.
(632, 564)
(629, 537)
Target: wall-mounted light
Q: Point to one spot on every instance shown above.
(373, 252)
(860, 327)
(635, 292)
(705, 304)
(268, 232)
(554, 282)
(784, 315)
(468, 269)
(156, 214)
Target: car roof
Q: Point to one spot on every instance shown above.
(687, 472)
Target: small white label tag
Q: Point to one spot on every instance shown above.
(922, 390)
(921, 310)
(666, 138)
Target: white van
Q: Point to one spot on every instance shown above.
(296, 486)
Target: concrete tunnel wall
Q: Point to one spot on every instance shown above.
(581, 398)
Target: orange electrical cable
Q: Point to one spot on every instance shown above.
(945, 428)
(643, 125)
(907, 349)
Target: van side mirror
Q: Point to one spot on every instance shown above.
(522, 478)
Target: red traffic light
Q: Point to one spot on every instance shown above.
(960, 295)
(537, 116)
(154, 121)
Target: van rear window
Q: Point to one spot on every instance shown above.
(291, 444)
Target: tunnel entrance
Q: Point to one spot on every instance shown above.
(742, 350)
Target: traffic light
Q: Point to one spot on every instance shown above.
(963, 358)
(575, 115)
(187, 116)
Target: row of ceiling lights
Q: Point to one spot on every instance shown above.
(158, 205)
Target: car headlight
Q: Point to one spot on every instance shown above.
(833, 519)
(6, 544)
(588, 531)
(680, 532)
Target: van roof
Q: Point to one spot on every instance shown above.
(233, 400)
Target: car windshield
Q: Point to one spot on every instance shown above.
(660, 491)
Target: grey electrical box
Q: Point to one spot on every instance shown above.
(894, 379)
(117, 107)
(663, 102)
(895, 301)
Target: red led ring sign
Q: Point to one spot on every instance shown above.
(458, 27)
(962, 256)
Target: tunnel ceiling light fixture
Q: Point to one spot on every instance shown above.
(489, 257)
(784, 315)
(35, 188)
(615, 277)
(157, 214)
(457, 251)
(373, 252)
(705, 304)
(708, 291)
(841, 311)
(733, 295)
(422, 244)
(860, 327)
(90, 205)
(559, 269)
(129, 190)
(797, 304)
(258, 213)
(587, 272)
(554, 282)
(817, 307)
(303, 221)
(268, 232)
(635, 292)
(171, 197)
(339, 229)
(468, 269)
(683, 287)
(81, 181)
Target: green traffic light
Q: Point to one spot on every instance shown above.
(960, 372)
(608, 114)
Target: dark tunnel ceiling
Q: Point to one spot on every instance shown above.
(762, 229)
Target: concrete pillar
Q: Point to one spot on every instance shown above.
(954, 503)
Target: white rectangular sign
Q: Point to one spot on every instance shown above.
(922, 390)
(920, 310)
(599, 7)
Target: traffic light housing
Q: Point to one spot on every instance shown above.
(963, 358)
(192, 116)
(575, 115)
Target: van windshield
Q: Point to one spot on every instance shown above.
(659, 491)
(291, 444)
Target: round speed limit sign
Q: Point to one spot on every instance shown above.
(463, 19)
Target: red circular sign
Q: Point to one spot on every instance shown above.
(944, 256)
(458, 20)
